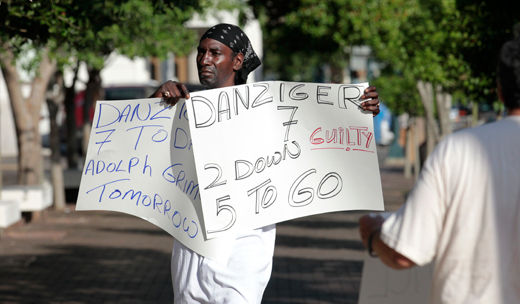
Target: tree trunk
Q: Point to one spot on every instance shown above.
(336, 74)
(414, 139)
(474, 114)
(70, 121)
(1, 176)
(417, 164)
(443, 108)
(409, 151)
(432, 130)
(54, 100)
(26, 113)
(92, 94)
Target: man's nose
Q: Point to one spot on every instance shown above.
(205, 59)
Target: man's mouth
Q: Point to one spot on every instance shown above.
(206, 72)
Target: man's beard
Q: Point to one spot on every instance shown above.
(210, 81)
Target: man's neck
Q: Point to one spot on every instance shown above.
(222, 86)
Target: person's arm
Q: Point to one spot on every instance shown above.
(171, 92)
(369, 229)
(372, 104)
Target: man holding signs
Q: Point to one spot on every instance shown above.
(225, 58)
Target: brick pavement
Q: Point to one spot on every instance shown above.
(109, 257)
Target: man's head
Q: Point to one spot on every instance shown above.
(225, 56)
(509, 74)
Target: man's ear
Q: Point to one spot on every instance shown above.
(238, 60)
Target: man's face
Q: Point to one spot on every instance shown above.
(216, 64)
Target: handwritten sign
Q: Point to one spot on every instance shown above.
(383, 285)
(248, 156)
(272, 151)
(140, 161)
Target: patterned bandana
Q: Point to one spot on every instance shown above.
(236, 40)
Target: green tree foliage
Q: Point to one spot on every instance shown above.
(133, 28)
(90, 30)
(451, 43)
(294, 50)
(399, 93)
(60, 30)
(487, 25)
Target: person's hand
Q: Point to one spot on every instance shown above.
(368, 224)
(372, 104)
(171, 92)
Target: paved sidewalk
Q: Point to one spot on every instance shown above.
(109, 257)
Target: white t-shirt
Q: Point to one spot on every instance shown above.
(243, 279)
(464, 212)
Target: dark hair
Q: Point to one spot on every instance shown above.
(509, 71)
(240, 78)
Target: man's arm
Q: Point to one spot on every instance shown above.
(370, 229)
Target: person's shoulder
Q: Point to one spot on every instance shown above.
(488, 132)
(475, 131)
(460, 135)
(461, 139)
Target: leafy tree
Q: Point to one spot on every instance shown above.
(83, 30)
(27, 26)
(441, 44)
(487, 25)
(294, 48)
(133, 28)
(448, 47)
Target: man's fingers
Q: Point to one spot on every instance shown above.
(371, 102)
(370, 95)
(176, 93)
(185, 91)
(370, 89)
(172, 91)
(372, 108)
(370, 92)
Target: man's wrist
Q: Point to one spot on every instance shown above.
(370, 242)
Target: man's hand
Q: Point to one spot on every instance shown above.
(371, 224)
(171, 92)
(372, 104)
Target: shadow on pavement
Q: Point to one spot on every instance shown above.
(153, 232)
(310, 242)
(300, 280)
(83, 274)
(314, 222)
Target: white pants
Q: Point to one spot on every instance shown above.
(243, 279)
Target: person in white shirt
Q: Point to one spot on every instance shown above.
(464, 211)
(225, 58)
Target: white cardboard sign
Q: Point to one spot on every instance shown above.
(140, 161)
(262, 152)
(273, 151)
